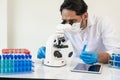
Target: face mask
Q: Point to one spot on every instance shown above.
(76, 28)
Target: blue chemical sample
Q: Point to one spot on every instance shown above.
(112, 59)
(26, 63)
(0, 63)
(7, 64)
(20, 66)
(23, 63)
(29, 63)
(113, 56)
(115, 61)
(11, 63)
(118, 61)
(3, 64)
(14, 63)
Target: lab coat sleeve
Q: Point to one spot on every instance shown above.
(110, 36)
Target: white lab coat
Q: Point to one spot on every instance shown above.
(99, 35)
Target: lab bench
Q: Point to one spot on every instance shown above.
(63, 73)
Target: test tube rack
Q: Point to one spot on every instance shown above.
(115, 61)
(16, 61)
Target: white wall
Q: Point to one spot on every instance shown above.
(30, 22)
(109, 8)
(3, 24)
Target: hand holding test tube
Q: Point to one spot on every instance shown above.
(84, 47)
(88, 57)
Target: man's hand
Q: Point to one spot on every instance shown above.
(89, 57)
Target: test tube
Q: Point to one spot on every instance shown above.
(113, 59)
(115, 62)
(29, 62)
(26, 63)
(11, 63)
(15, 63)
(7, 64)
(22, 54)
(19, 63)
(3, 64)
(23, 63)
(118, 60)
(0, 63)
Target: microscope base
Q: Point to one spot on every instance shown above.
(54, 63)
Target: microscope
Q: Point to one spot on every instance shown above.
(55, 50)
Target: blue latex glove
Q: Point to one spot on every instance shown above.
(41, 52)
(89, 57)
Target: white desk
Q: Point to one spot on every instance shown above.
(45, 72)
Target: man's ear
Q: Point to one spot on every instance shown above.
(85, 16)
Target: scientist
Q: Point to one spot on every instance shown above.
(93, 38)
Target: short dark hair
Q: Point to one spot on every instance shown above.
(79, 6)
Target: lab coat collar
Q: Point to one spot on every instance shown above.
(90, 20)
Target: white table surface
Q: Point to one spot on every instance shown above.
(45, 72)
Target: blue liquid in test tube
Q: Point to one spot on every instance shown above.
(113, 60)
(20, 63)
(7, 64)
(26, 63)
(11, 64)
(15, 63)
(29, 62)
(3, 63)
(0, 63)
(84, 47)
(118, 61)
(23, 63)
